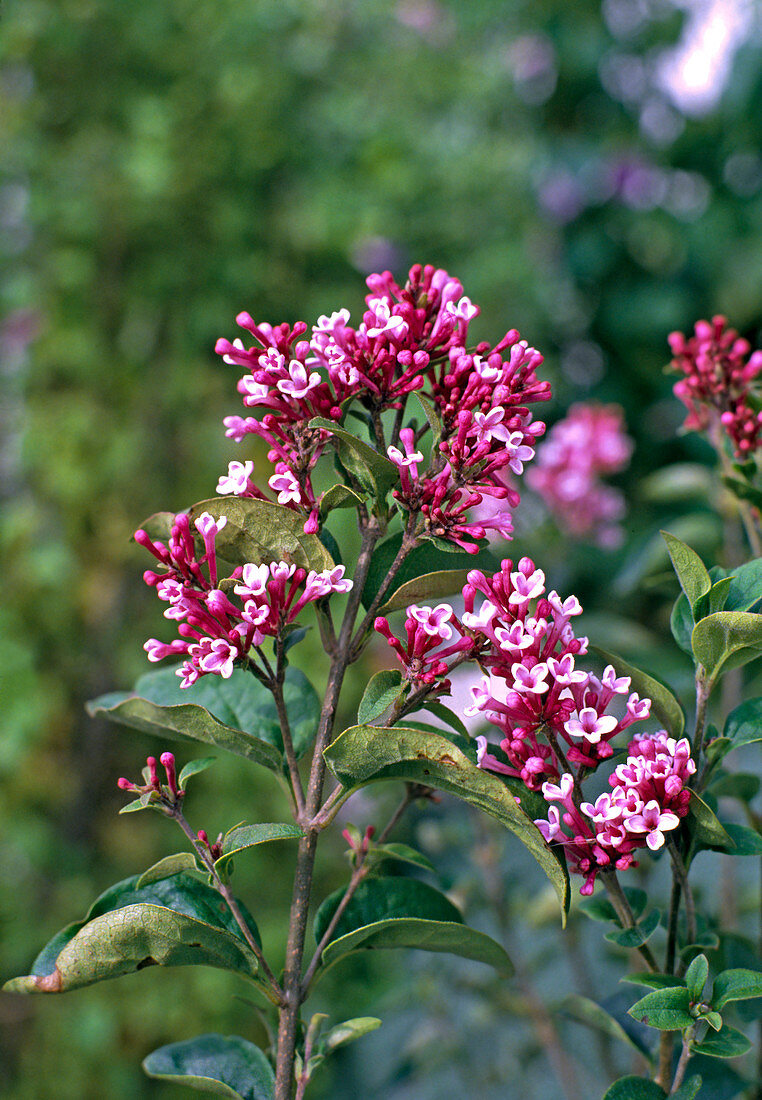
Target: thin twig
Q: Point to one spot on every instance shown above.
(681, 876)
(682, 1065)
(618, 899)
(276, 993)
(285, 731)
(359, 873)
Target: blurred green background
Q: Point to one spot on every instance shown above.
(168, 164)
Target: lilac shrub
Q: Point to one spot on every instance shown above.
(428, 432)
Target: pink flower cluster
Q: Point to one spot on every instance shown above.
(648, 798)
(427, 628)
(717, 387)
(557, 721)
(590, 442)
(215, 630)
(411, 338)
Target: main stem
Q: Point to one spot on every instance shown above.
(288, 1021)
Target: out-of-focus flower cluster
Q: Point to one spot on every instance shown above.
(717, 386)
(588, 444)
(412, 338)
(217, 630)
(557, 721)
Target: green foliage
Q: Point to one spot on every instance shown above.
(391, 912)
(634, 1088)
(167, 868)
(382, 690)
(176, 921)
(225, 1065)
(665, 1009)
(238, 714)
(431, 586)
(664, 705)
(259, 531)
(725, 640)
(243, 837)
(691, 571)
(365, 754)
(373, 472)
(424, 560)
(595, 1016)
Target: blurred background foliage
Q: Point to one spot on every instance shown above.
(169, 164)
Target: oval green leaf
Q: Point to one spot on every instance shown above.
(348, 1031)
(634, 1088)
(374, 471)
(664, 704)
(665, 1009)
(381, 692)
(425, 558)
(166, 868)
(726, 1043)
(403, 912)
(744, 724)
(260, 531)
(366, 754)
(248, 836)
(237, 714)
(691, 571)
(224, 1065)
(736, 985)
(593, 1015)
(105, 944)
(727, 640)
(708, 828)
(431, 586)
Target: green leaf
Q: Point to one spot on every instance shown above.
(637, 936)
(681, 623)
(715, 599)
(696, 976)
(432, 416)
(745, 590)
(691, 571)
(348, 1031)
(364, 754)
(736, 985)
(744, 724)
(224, 1065)
(173, 922)
(374, 471)
(665, 1009)
(598, 908)
(402, 852)
(634, 1088)
(665, 706)
(653, 981)
(741, 785)
(726, 1043)
(248, 836)
(382, 690)
(433, 706)
(165, 868)
(744, 841)
(403, 912)
(431, 586)
(339, 496)
(159, 526)
(424, 559)
(743, 490)
(727, 640)
(193, 767)
(237, 714)
(260, 531)
(708, 828)
(589, 1012)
